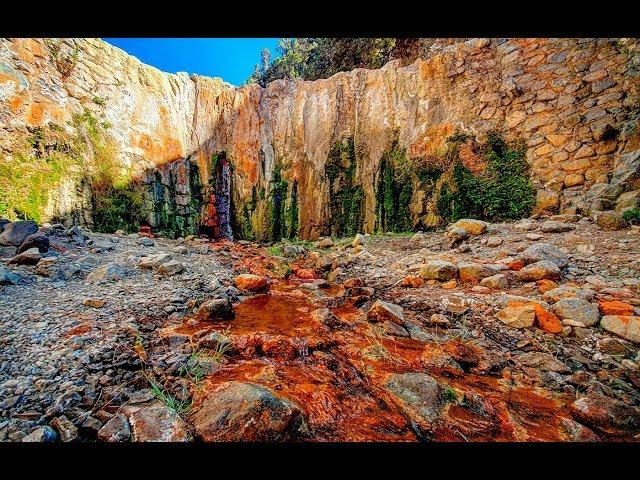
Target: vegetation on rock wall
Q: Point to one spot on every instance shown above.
(83, 155)
(346, 199)
(395, 189)
(502, 192)
(314, 58)
(27, 179)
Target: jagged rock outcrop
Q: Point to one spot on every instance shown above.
(308, 158)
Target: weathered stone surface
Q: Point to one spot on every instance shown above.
(41, 434)
(115, 430)
(238, 411)
(517, 317)
(67, 430)
(7, 277)
(473, 227)
(111, 272)
(610, 220)
(627, 327)
(154, 261)
(474, 272)
(420, 396)
(438, 270)
(158, 423)
(251, 282)
(158, 118)
(552, 226)
(28, 257)
(544, 269)
(454, 236)
(543, 361)
(546, 320)
(216, 309)
(15, 233)
(606, 414)
(172, 267)
(495, 282)
(578, 310)
(384, 311)
(543, 251)
(146, 242)
(36, 240)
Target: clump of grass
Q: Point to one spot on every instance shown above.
(632, 216)
(449, 395)
(180, 406)
(275, 251)
(195, 368)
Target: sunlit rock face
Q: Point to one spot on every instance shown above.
(302, 153)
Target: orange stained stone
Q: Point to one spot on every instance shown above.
(615, 307)
(412, 281)
(545, 285)
(546, 320)
(250, 282)
(306, 273)
(515, 265)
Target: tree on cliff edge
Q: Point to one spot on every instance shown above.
(314, 58)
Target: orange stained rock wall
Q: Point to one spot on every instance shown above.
(555, 94)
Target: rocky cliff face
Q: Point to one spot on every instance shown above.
(310, 158)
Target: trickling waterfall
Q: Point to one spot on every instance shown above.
(222, 228)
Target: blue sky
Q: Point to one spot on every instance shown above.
(233, 59)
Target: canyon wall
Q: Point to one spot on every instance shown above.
(307, 158)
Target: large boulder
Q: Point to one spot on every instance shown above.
(610, 220)
(625, 326)
(384, 311)
(111, 272)
(522, 316)
(577, 310)
(625, 175)
(251, 283)
(543, 251)
(544, 269)
(216, 309)
(472, 226)
(474, 272)
(36, 240)
(28, 257)
(438, 270)
(420, 397)
(606, 414)
(239, 411)
(158, 423)
(15, 233)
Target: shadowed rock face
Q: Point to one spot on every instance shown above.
(571, 100)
